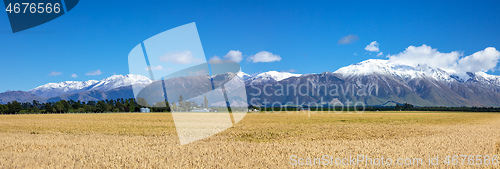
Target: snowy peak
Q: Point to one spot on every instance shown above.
(385, 67)
(117, 81)
(371, 66)
(275, 75)
(55, 89)
(406, 72)
(243, 76)
(484, 78)
(68, 87)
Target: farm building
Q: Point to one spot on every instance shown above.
(145, 110)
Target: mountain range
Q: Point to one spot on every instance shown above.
(374, 82)
(116, 86)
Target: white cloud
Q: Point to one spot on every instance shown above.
(234, 55)
(74, 75)
(380, 54)
(348, 39)
(215, 59)
(94, 73)
(372, 47)
(483, 60)
(426, 55)
(52, 73)
(185, 57)
(159, 67)
(264, 56)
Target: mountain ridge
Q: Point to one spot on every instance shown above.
(106, 84)
(418, 84)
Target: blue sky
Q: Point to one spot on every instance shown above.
(98, 35)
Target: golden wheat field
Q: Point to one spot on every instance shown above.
(260, 140)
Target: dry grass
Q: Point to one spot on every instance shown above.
(265, 140)
(82, 124)
(498, 147)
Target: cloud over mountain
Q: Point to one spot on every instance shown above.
(372, 47)
(480, 61)
(264, 56)
(234, 55)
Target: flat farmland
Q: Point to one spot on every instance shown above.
(264, 140)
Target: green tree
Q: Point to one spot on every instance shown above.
(59, 107)
(103, 107)
(398, 107)
(4, 109)
(131, 105)
(76, 105)
(14, 107)
(181, 103)
(407, 106)
(205, 102)
(119, 106)
(36, 110)
(87, 109)
(49, 108)
(143, 102)
(174, 107)
(65, 105)
(188, 105)
(36, 103)
(167, 106)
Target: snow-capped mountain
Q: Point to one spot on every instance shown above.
(69, 87)
(486, 78)
(274, 75)
(54, 89)
(117, 81)
(243, 76)
(407, 72)
(420, 85)
(385, 67)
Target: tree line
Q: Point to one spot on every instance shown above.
(397, 107)
(180, 106)
(131, 105)
(102, 106)
(71, 106)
